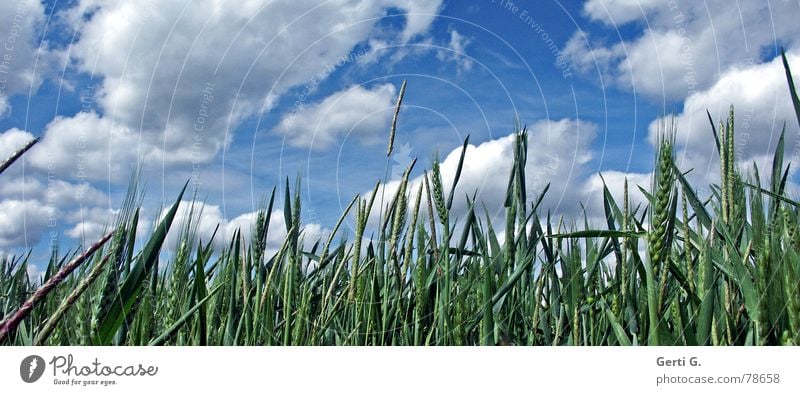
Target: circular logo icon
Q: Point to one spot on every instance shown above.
(31, 368)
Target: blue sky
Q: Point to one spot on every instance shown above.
(238, 96)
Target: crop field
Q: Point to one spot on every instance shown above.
(682, 269)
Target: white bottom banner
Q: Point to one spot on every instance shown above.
(398, 370)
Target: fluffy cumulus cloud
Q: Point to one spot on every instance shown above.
(12, 140)
(22, 223)
(179, 76)
(558, 154)
(22, 60)
(706, 55)
(558, 151)
(88, 146)
(357, 113)
(760, 96)
(5, 106)
(91, 223)
(615, 12)
(451, 49)
(31, 204)
(682, 45)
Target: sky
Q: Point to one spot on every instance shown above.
(236, 97)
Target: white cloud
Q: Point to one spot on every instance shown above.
(619, 11)
(762, 104)
(615, 181)
(558, 152)
(22, 223)
(88, 146)
(5, 106)
(168, 67)
(176, 77)
(682, 45)
(33, 201)
(355, 113)
(91, 223)
(20, 25)
(710, 56)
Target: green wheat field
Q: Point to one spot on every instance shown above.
(681, 270)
